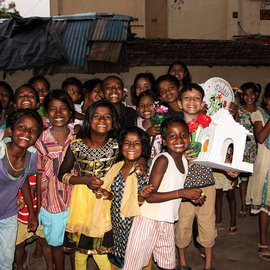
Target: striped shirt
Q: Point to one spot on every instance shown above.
(55, 196)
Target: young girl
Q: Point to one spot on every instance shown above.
(248, 98)
(146, 109)
(42, 86)
(153, 231)
(53, 196)
(18, 160)
(181, 72)
(141, 82)
(129, 189)
(93, 154)
(167, 87)
(258, 194)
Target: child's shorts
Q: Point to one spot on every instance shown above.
(54, 226)
(22, 233)
(205, 217)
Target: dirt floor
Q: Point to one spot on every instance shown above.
(234, 252)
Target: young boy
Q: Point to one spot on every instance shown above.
(153, 231)
(191, 101)
(113, 91)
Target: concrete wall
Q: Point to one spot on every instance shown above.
(234, 75)
(199, 19)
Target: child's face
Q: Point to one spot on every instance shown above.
(26, 99)
(177, 138)
(113, 90)
(250, 96)
(25, 131)
(132, 147)
(94, 95)
(146, 107)
(74, 92)
(178, 71)
(58, 113)
(168, 92)
(141, 85)
(102, 121)
(192, 102)
(4, 98)
(42, 89)
(267, 101)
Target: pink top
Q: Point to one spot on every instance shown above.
(55, 196)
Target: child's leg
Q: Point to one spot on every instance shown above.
(72, 260)
(263, 226)
(8, 233)
(102, 262)
(58, 257)
(218, 205)
(230, 194)
(80, 261)
(141, 242)
(243, 193)
(19, 256)
(47, 253)
(183, 230)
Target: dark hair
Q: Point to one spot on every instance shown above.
(249, 85)
(144, 137)
(89, 85)
(8, 89)
(266, 95)
(146, 93)
(191, 86)
(85, 130)
(39, 78)
(26, 86)
(187, 78)
(147, 76)
(14, 116)
(168, 78)
(167, 122)
(72, 81)
(61, 95)
(112, 77)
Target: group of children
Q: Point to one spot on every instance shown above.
(94, 193)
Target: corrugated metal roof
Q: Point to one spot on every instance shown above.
(75, 41)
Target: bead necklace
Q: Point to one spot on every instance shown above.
(11, 164)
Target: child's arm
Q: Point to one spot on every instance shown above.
(104, 194)
(261, 132)
(32, 222)
(156, 176)
(145, 192)
(38, 193)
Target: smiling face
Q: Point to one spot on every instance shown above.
(58, 113)
(249, 96)
(168, 91)
(132, 147)
(146, 107)
(192, 102)
(141, 85)
(101, 122)
(113, 90)
(178, 71)
(42, 89)
(26, 99)
(25, 131)
(176, 139)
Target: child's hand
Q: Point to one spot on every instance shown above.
(104, 194)
(153, 130)
(141, 167)
(20, 203)
(146, 191)
(233, 109)
(234, 183)
(232, 174)
(32, 223)
(193, 193)
(190, 155)
(94, 183)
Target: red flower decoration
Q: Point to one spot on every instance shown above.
(224, 104)
(219, 96)
(192, 125)
(204, 119)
